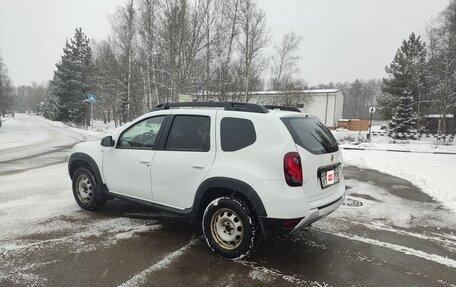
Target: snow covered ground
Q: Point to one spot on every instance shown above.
(26, 135)
(435, 174)
(379, 210)
(354, 139)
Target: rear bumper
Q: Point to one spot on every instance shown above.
(276, 225)
(319, 212)
(283, 202)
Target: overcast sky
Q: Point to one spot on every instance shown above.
(342, 39)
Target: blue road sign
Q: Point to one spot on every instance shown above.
(92, 98)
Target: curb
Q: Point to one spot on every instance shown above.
(415, 135)
(398, 150)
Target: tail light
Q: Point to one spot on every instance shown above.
(292, 169)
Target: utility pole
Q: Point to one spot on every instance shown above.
(91, 98)
(91, 114)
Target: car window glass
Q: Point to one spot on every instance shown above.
(236, 133)
(142, 134)
(311, 134)
(189, 133)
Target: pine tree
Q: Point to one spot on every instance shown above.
(406, 84)
(72, 81)
(404, 118)
(51, 107)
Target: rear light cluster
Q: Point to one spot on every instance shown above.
(292, 169)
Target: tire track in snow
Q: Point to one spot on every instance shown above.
(403, 249)
(442, 239)
(140, 278)
(277, 273)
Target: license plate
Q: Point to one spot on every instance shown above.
(329, 177)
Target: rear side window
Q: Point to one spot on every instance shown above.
(311, 134)
(236, 134)
(189, 133)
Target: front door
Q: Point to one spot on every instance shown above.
(126, 168)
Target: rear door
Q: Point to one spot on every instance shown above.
(321, 159)
(186, 155)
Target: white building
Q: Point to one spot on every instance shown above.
(326, 104)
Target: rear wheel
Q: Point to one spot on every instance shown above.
(230, 227)
(85, 189)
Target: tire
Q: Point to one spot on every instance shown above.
(85, 189)
(230, 228)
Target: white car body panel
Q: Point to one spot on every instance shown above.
(176, 175)
(92, 149)
(172, 178)
(127, 172)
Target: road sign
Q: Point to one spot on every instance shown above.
(92, 98)
(371, 110)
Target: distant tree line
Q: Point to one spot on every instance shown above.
(7, 96)
(29, 98)
(359, 95)
(21, 98)
(422, 77)
(160, 49)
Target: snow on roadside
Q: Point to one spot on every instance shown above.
(99, 130)
(358, 140)
(433, 173)
(14, 131)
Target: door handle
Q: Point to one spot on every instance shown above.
(197, 165)
(144, 161)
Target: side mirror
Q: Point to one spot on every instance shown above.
(107, 141)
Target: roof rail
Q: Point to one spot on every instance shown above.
(228, 106)
(282, 108)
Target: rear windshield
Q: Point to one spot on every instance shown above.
(311, 134)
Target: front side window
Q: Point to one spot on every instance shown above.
(189, 133)
(142, 135)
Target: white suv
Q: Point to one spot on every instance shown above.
(240, 169)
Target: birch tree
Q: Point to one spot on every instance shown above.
(253, 38)
(147, 31)
(284, 70)
(224, 45)
(124, 27)
(442, 63)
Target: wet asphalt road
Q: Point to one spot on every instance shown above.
(388, 233)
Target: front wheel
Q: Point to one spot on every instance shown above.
(85, 189)
(230, 227)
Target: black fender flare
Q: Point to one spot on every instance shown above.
(231, 184)
(79, 156)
